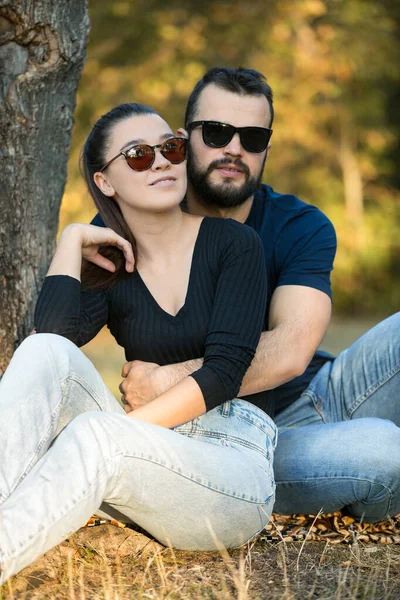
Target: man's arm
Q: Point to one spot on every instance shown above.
(298, 319)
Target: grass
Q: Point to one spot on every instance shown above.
(108, 563)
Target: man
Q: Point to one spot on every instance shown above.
(338, 419)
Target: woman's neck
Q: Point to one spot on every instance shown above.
(159, 235)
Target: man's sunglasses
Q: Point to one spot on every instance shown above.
(218, 135)
(142, 156)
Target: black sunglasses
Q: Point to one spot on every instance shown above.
(142, 156)
(218, 135)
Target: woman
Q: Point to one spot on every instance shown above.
(192, 467)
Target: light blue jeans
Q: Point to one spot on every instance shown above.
(339, 443)
(68, 450)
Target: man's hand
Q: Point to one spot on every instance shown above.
(140, 385)
(145, 381)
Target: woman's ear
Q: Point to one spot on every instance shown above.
(182, 132)
(103, 184)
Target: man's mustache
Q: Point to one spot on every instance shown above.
(226, 161)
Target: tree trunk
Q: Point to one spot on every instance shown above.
(42, 52)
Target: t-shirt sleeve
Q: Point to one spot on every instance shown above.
(305, 251)
(237, 316)
(97, 220)
(65, 309)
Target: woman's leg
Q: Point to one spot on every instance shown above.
(48, 382)
(187, 492)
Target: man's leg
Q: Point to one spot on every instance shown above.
(339, 444)
(364, 380)
(48, 382)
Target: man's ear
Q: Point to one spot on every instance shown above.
(182, 132)
(269, 147)
(103, 184)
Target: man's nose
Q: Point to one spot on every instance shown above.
(234, 148)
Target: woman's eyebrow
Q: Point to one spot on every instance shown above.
(163, 137)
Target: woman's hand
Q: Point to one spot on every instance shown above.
(79, 241)
(92, 237)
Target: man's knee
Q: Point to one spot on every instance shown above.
(382, 459)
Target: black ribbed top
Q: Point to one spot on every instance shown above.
(221, 319)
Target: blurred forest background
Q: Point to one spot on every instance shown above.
(334, 69)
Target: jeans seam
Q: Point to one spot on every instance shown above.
(65, 380)
(80, 381)
(230, 438)
(242, 497)
(283, 482)
(317, 402)
(373, 388)
(23, 546)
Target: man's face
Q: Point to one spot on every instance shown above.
(228, 176)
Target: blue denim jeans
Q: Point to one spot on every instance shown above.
(339, 443)
(68, 450)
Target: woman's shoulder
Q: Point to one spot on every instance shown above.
(229, 230)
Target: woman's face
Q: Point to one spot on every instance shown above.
(161, 187)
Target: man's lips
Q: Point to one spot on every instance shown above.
(164, 181)
(229, 170)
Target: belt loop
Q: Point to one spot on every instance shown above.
(226, 408)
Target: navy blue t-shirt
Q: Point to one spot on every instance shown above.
(299, 247)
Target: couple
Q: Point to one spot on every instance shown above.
(185, 285)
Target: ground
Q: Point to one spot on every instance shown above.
(106, 562)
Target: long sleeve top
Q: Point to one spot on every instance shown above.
(221, 319)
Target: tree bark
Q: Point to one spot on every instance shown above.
(42, 52)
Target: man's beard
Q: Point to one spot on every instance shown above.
(225, 194)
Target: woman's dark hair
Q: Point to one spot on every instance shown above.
(93, 158)
(246, 82)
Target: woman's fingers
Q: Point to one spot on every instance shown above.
(113, 239)
(103, 262)
(93, 237)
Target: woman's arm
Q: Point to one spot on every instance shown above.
(180, 404)
(62, 307)
(234, 330)
(83, 241)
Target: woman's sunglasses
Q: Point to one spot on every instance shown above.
(142, 156)
(218, 135)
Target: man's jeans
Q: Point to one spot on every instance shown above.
(68, 450)
(339, 443)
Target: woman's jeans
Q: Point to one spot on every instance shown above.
(339, 443)
(68, 450)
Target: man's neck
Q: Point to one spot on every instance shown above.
(239, 213)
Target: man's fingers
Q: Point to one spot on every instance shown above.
(126, 368)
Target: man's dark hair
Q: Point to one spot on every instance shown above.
(246, 82)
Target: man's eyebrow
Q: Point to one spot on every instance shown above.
(163, 137)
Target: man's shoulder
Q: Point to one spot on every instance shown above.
(286, 204)
(273, 209)
(97, 220)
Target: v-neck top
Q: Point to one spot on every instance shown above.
(221, 319)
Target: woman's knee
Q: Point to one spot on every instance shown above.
(41, 344)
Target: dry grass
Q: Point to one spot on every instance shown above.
(107, 563)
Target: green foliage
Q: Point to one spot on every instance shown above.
(333, 65)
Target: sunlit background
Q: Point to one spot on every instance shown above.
(334, 69)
